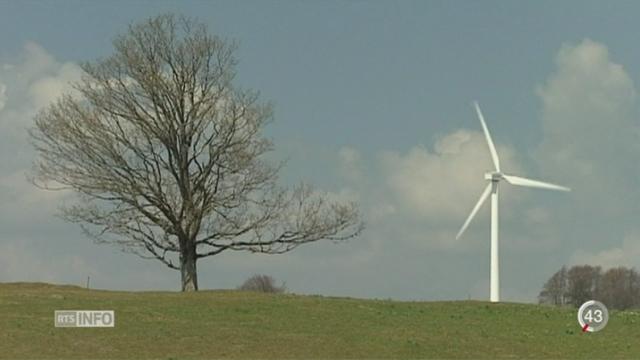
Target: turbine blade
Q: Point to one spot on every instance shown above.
(487, 135)
(520, 181)
(483, 197)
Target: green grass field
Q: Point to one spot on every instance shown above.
(232, 324)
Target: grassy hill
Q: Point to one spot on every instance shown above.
(231, 324)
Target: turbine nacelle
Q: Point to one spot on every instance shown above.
(493, 176)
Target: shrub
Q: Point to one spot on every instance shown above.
(262, 283)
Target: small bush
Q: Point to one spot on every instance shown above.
(262, 283)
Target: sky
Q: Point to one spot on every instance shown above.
(373, 104)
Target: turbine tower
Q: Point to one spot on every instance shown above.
(494, 178)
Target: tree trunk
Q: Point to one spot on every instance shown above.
(188, 268)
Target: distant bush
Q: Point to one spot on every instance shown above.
(262, 283)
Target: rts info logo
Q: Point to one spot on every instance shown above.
(85, 318)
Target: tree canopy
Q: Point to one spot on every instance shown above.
(167, 158)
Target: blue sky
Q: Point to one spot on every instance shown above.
(372, 103)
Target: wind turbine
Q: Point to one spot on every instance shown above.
(494, 178)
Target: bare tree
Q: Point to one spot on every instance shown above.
(262, 283)
(619, 288)
(166, 155)
(583, 283)
(633, 280)
(555, 289)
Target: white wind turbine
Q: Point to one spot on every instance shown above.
(494, 178)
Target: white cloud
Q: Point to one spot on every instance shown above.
(350, 165)
(590, 132)
(3, 96)
(47, 89)
(33, 81)
(592, 143)
(349, 156)
(626, 254)
(445, 182)
(381, 211)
